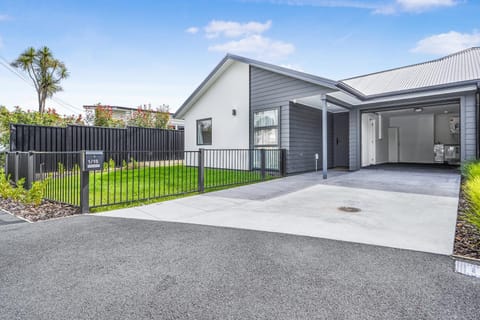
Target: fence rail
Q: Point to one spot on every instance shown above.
(131, 176)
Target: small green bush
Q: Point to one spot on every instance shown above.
(472, 193)
(471, 169)
(19, 193)
(110, 164)
(60, 168)
(471, 172)
(36, 192)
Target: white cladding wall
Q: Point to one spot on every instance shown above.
(230, 91)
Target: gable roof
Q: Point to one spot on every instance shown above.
(229, 59)
(456, 69)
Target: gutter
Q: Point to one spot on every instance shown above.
(366, 98)
(477, 115)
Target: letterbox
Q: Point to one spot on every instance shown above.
(91, 160)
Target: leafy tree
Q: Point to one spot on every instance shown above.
(103, 117)
(44, 70)
(49, 118)
(149, 118)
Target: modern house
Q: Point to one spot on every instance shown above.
(125, 113)
(422, 113)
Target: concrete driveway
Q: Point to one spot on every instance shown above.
(401, 207)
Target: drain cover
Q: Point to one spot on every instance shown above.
(349, 209)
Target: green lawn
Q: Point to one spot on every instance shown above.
(143, 184)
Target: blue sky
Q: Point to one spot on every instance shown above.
(131, 53)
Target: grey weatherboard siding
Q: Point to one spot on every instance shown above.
(468, 127)
(300, 133)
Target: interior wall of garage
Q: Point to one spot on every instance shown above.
(382, 139)
(442, 130)
(416, 137)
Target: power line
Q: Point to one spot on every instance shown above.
(61, 102)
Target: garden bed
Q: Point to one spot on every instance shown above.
(46, 210)
(467, 236)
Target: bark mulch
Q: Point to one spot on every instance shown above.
(46, 210)
(467, 236)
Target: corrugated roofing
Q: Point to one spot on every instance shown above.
(459, 67)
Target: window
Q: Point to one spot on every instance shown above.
(204, 131)
(265, 128)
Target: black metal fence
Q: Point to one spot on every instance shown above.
(75, 138)
(146, 175)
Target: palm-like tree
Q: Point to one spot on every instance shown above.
(44, 70)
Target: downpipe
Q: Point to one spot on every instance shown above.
(477, 114)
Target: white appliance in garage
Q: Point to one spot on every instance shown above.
(439, 153)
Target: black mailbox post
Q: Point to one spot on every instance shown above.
(89, 161)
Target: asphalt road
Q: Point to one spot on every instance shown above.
(108, 268)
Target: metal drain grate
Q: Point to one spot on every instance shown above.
(349, 209)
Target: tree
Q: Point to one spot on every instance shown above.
(149, 118)
(44, 70)
(103, 117)
(48, 118)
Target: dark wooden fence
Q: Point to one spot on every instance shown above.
(123, 144)
(75, 138)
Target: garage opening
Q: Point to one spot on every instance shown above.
(418, 134)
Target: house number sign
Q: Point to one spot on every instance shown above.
(92, 160)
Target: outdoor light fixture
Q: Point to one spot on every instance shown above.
(234, 112)
(446, 111)
(418, 109)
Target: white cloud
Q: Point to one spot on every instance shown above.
(4, 17)
(232, 29)
(192, 30)
(375, 6)
(446, 43)
(258, 46)
(328, 3)
(422, 5)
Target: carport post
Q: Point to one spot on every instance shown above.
(323, 99)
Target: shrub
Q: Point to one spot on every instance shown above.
(19, 193)
(471, 172)
(110, 164)
(48, 118)
(36, 192)
(471, 169)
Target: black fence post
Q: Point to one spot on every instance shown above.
(15, 166)
(84, 183)
(262, 162)
(283, 162)
(201, 170)
(13, 138)
(30, 170)
(5, 168)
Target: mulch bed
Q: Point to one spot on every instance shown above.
(467, 237)
(46, 210)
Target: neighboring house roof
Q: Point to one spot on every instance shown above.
(126, 109)
(456, 69)
(229, 59)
